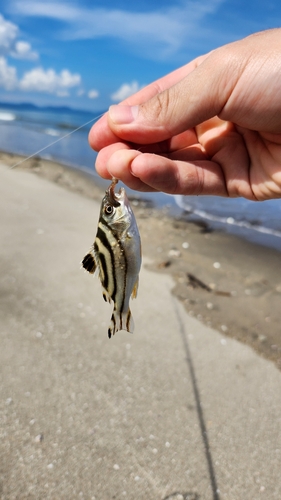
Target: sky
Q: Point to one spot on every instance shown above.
(89, 54)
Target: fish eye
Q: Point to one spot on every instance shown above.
(109, 209)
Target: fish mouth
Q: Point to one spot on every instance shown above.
(111, 195)
(114, 197)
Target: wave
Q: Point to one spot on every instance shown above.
(6, 116)
(52, 131)
(226, 220)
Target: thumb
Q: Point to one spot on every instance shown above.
(199, 96)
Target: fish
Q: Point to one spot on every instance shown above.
(116, 256)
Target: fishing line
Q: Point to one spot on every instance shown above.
(55, 142)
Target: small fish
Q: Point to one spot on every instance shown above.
(116, 254)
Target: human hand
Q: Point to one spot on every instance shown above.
(212, 127)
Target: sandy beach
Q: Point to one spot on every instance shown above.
(222, 280)
(186, 408)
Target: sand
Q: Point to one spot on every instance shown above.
(176, 411)
(225, 282)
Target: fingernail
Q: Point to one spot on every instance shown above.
(122, 114)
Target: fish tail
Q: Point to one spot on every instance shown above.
(121, 322)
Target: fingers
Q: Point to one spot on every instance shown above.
(149, 172)
(188, 133)
(225, 145)
(230, 82)
(216, 165)
(114, 161)
(197, 97)
(101, 135)
(104, 156)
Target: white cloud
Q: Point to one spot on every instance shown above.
(155, 34)
(55, 10)
(125, 91)
(8, 35)
(23, 50)
(93, 94)
(8, 75)
(40, 80)
(9, 43)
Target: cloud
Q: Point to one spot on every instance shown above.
(55, 10)
(153, 34)
(38, 79)
(9, 43)
(8, 35)
(48, 81)
(23, 50)
(125, 91)
(8, 75)
(93, 94)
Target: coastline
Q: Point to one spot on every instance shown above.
(224, 281)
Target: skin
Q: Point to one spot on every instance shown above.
(212, 127)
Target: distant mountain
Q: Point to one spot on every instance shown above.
(28, 106)
(21, 105)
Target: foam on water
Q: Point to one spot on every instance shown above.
(242, 221)
(231, 221)
(52, 131)
(7, 117)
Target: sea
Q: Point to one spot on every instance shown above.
(61, 134)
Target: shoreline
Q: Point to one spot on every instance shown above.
(224, 281)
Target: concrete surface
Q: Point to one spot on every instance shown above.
(174, 411)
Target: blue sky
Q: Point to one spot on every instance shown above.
(89, 54)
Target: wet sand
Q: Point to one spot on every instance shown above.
(225, 282)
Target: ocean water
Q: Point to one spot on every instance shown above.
(49, 132)
(26, 131)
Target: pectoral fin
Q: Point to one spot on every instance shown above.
(89, 262)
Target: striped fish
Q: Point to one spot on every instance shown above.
(116, 254)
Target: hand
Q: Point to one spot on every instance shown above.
(212, 127)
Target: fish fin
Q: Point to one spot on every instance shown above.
(89, 262)
(106, 295)
(135, 289)
(121, 322)
(91, 265)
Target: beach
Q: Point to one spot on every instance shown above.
(186, 408)
(236, 287)
(140, 341)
